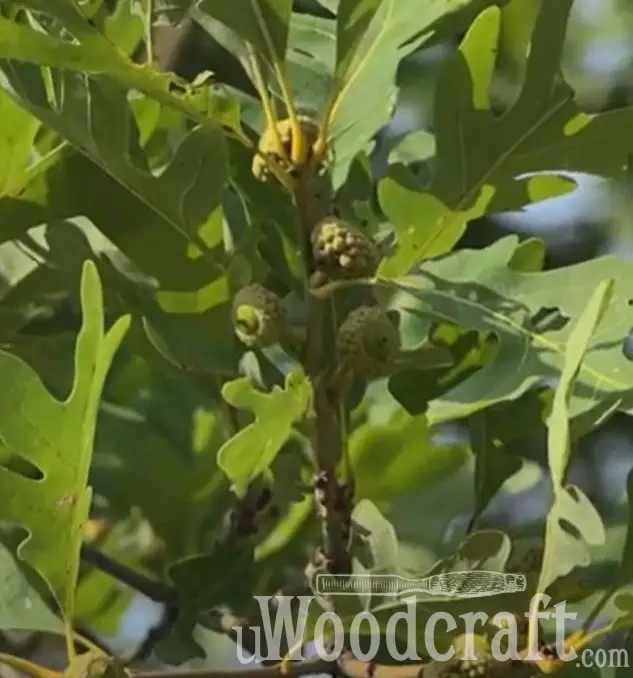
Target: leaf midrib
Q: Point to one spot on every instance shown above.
(533, 337)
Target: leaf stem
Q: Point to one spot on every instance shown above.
(598, 607)
(345, 666)
(295, 670)
(298, 151)
(262, 89)
(149, 38)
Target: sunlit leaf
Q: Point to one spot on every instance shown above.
(528, 315)
(251, 451)
(57, 438)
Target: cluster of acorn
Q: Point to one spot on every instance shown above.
(368, 340)
(485, 665)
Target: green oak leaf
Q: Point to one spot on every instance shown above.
(17, 135)
(493, 432)
(57, 438)
(425, 228)
(203, 583)
(94, 53)
(262, 23)
(21, 606)
(399, 456)
(565, 550)
(172, 443)
(373, 36)
(310, 60)
(381, 536)
(617, 586)
(175, 204)
(250, 452)
(494, 464)
(529, 315)
(307, 44)
(544, 130)
(412, 148)
(95, 116)
(330, 5)
(626, 562)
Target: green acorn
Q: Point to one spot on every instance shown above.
(341, 250)
(474, 668)
(369, 342)
(259, 317)
(268, 147)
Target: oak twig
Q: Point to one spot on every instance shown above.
(294, 670)
(311, 207)
(346, 666)
(153, 589)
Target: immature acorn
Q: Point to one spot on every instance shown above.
(475, 668)
(341, 250)
(259, 317)
(368, 342)
(268, 147)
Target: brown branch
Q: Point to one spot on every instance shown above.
(355, 668)
(293, 670)
(345, 667)
(153, 589)
(311, 207)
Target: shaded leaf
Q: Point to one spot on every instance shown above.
(529, 315)
(626, 563)
(370, 47)
(21, 607)
(17, 135)
(205, 583)
(543, 130)
(399, 456)
(494, 463)
(94, 53)
(95, 116)
(167, 437)
(263, 23)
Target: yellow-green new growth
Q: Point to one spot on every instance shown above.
(369, 342)
(268, 146)
(259, 318)
(340, 250)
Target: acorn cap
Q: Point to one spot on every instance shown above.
(369, 342)
(341, 250)
(259, 317)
